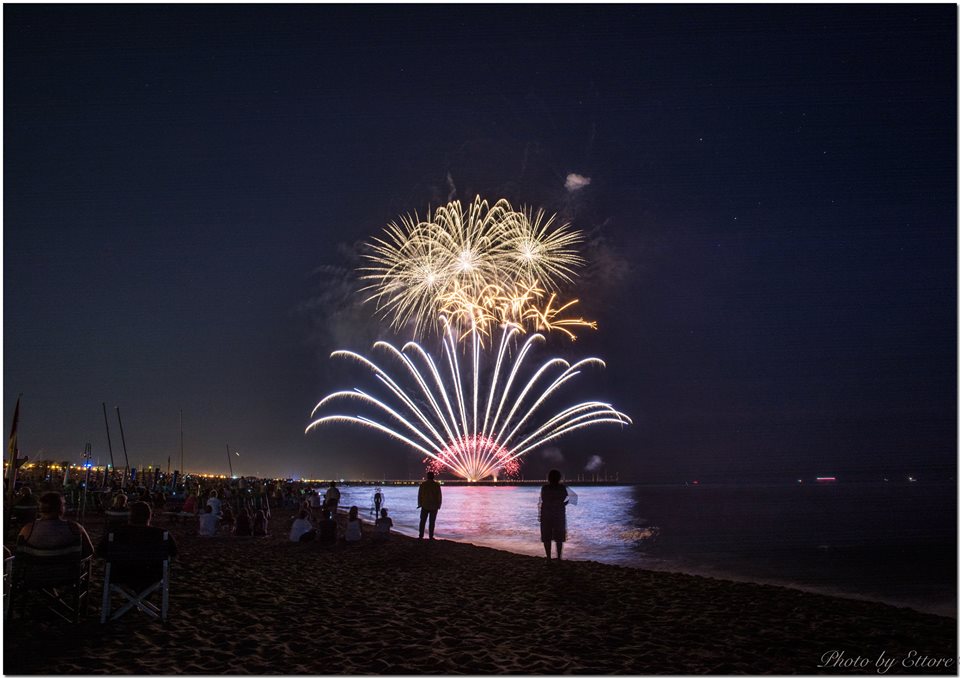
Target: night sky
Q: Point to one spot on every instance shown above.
(772, 222)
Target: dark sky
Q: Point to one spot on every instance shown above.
(772, 216)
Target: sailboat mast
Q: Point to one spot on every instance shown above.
(106, 423)
(126, 459)
(181, 441)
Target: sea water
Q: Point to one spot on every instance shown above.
(891, 542)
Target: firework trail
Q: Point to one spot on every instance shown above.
(461, 421)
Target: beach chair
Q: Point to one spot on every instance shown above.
(114, 518)
(60, 577)
(136, 557)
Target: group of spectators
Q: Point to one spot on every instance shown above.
(316, 519)
(219, 517)
(53, 532)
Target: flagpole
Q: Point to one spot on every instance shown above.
(229, 460)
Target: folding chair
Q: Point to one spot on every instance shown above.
(62, 576)
(114, 518)
(130, 556)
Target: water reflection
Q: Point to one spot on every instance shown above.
(894, 543)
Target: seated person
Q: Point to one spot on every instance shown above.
(327, 528)
(353, 531)
(302, 528)
(383, 525)
(260, 524)
(25, 506)
(189, 507)
(208, 522)
(138, 531)
(226, 517)
(243, 528)
(51, 531)
(25, 498)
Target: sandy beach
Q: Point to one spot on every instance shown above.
(268, 606)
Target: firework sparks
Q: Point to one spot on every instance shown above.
(478, 266)
(471, 429)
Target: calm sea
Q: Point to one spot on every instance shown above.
(892, 542)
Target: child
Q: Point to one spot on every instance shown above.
(353, 525)
(383, 525)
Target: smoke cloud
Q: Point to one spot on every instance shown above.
(553, 455)
(335, 311)
(575, 182)
(593, 463)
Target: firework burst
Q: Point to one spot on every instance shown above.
(479, 267)
(470, 426)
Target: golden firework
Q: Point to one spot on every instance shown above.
(477, 266)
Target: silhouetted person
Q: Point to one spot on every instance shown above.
(353, 530)
(429, 499)
(333, 498)
(383, 525)
(51, 530)
(327, 528)
(243, 527)
(138, 532)
(260, 528)
(377, 503)
(553, 513)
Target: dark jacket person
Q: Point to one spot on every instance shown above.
(429, 499)
(138, 532)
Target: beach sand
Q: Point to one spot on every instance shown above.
(268, 606)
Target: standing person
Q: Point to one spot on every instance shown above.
(317, 504)
(429, 499)
(333, 498)
(553, 513)
(260, 524)
(377, 503)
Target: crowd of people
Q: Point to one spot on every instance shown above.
(316, 519)
(244, 508)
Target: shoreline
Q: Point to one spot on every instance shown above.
(949, 612)
(269, 606)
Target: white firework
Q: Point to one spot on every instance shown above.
(472, 429)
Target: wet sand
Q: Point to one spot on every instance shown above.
(268, 606)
